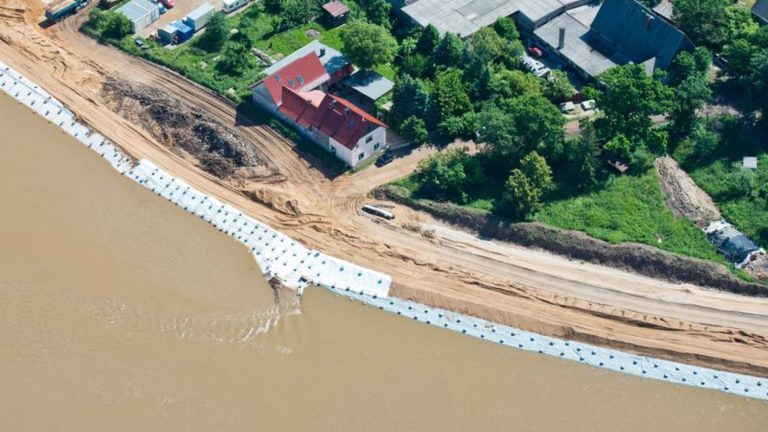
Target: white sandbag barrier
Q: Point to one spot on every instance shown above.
(642, 366)
(37, 99)
(277, 254)
(297, 266)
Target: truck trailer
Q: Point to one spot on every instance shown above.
(60, 9)
(198, 18)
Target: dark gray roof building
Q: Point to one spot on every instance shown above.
(760, 11)
(627, 30)
(369, 84)
(596, 37)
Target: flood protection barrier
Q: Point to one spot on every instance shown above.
(298, 266)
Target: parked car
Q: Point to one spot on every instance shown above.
(567, 107)
(535, 51)
(385, 159)
(588, 105)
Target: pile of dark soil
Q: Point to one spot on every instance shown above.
(218, 149)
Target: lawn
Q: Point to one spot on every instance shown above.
(629, 209)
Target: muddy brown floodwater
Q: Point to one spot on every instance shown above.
(118, 311)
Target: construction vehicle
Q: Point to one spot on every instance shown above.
(60, 9)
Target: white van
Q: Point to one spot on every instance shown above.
(230, 5)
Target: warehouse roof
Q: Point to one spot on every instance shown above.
(464, 17)
(137, 9)
(369, 84)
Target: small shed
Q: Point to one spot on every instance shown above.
(750, 162)
(337, 10)
(369, 84)
(141, 13)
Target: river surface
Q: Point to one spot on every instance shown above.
(120, 312)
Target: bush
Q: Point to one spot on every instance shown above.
(415, 130)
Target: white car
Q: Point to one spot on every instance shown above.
(567, 107)
(588, 105)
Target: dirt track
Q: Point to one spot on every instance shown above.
(529, 289)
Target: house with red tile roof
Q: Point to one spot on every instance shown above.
(298, 93)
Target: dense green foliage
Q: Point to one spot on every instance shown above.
(216, 33)
(368, 45)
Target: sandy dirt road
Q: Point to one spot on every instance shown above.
(530, 289)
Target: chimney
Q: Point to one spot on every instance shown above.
(561, 39)
(648, 20)
(322, 52)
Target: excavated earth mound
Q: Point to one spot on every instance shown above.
(218, 150)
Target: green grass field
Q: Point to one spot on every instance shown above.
(629, 209)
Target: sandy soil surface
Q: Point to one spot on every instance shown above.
(684, 197)
(529, 289)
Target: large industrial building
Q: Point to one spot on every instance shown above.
(589, 36)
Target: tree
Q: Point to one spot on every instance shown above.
(759, 81)
(443, 175)
(704, 21)
(410, 98)
(377, 11)
(477, 79)
(428, 40)
(582, 161)
(463, 126)
(368, 45)
(294, 13)
(506, 28)
(449, 97)
(491, 48)
(511, 83)
(539, 124)
(558, 87)
(536, 168)
(449, 51)
(690, 96)
(520, 198)
(497, 130)
(414, 130)
(116, 26)
(688, 64)
(235, 59)
(629, 99)
(619, 148)
(216, 32)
